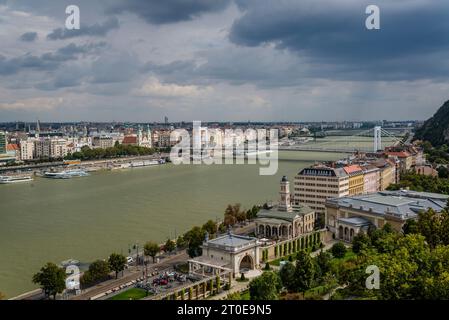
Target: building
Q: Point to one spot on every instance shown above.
(103, 142)
(26, 150)
(130, 140)
(356, 179)
(144, 139)
(50, 148)
(164, 139)
(348, 216)
(371, 179)
(58, 148)
(425, 170)
(405, 160)
(2, 143)
(42, 148)
(387, 172)
(13, 151)
(284, 221)
(227, 253)
(314, 185)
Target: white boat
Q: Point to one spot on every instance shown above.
(11, 179)
(56, 175)
(66, 174)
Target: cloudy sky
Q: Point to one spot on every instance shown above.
(223, 60)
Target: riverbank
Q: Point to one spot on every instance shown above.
(49, 220)
(89, 166)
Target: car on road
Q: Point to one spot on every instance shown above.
(129, 260)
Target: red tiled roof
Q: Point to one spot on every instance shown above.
(401, 154)
(12, 147)
(352, 169)
(129, 140)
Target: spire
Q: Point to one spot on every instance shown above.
(285, 201)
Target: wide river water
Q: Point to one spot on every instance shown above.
(88, 218)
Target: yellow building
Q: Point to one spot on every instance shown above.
(356, 179)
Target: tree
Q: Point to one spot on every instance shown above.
(304, 272)
(265, 287)
(233, 214)
(444, 227)
(98, 270)
(151, 249)
(338, 250)
(180, 242)
(51, 278)
(287, 275)
(410, 226)
(211, 227)
(323, 263)
(169, 246)
(429, 227)
(252, 213)
(117, 263)
(360, 242)
(194, 239)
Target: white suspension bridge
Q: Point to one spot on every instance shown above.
(349, 144)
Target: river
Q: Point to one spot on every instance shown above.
(88, 218)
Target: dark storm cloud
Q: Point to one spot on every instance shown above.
(47, 61)
(333, 35)
(169, 11)
(98, 30)
(29, 36)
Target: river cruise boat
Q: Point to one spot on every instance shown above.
(66, 174)
(12, 179)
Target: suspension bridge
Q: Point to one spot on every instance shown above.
(379, 138)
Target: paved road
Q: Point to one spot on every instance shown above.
(130, 276)
(133, 274)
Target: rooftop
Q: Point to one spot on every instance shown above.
(231, 242)
(284, 215)
(402, 204)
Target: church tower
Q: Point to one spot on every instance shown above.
(139, 136)
(285, 201)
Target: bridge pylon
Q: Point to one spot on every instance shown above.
(377, 138)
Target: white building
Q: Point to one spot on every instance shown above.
(26, 150)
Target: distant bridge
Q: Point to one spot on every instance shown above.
(332, 145)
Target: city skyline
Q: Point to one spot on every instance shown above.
(136, 61)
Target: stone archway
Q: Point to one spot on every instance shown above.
(340, 232)
(267, 231)
(261, 229)
(247, 262)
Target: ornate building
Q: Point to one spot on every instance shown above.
(285, 221)
(144, 139)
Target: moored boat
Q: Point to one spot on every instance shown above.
(14, 179)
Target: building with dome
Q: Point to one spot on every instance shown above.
(284, 221)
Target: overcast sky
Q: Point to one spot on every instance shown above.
(223, 60)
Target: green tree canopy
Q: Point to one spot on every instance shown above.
(265, 287)
(304, 272)
(51, 278)
(287, 275)
(211, 227)
(169, 246)
(117, 263)
(151, 249)
(98, 271)
(338, 250)
(360, 242)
